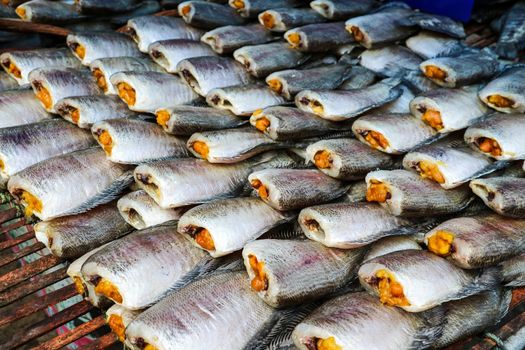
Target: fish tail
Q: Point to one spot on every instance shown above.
(431, 330)
(486, 279)
(504, 305)
(519, 282)
(506, 50)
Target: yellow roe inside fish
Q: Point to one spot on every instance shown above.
(44, 96)
(79, 286)
(328, 344)
(433, 118)
(106, 141)
(316, 107)
(275, 85)
(390, 291)
(376, 140)
(204, 239)
(377, 192)
(440, 243)
(323, 159)
(259, 281)
(75, 115)
(185, 10)
(294, 39)
(149, 347)
(163, 116)
(268, 20)
(2, 164)
(489, 145)
(429, 170)
(127, 93)
(261, 189)
(201, 148)
(80, 50)
(434, 72)
(13, 69)
(33, 204)
(20, 11)
(117, 326)
(262, 124)
(358, 35)
(101, 79)
(500, 101)
(108, 289)
(238, 4)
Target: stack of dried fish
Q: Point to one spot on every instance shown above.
(312, 142)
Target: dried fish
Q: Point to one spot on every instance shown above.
(513, 271)
(390, 61)
(505, 93)
(435, 23)
(19, 108)
(359, 78)
(389, 245)
(399, 105)
(512, 37)
(342, 9)
(168, 53)
(103, 6)
(118, 318)
(429, 45)
(504, 195)
(52, 12)
(229, 38)
(319, 37)
(208, 15)
(251, 8)
(7, 83)
(243, 100)
(283, 18)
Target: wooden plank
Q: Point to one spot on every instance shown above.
(16, 276)
(13, 256)
(30, 27)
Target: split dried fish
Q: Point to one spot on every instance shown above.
(390, 61)
(251, 8)
(504, 195)
(435, 23)
(429, 45)
(168, 53)
(512, 36)
(7, 83)
(359, 78)
(20, 107)
(342, 9)
(389, 245)
(319, 37)
(283, 18)
(229, 38)
(400, 104)
(102, 6)
(505, 93)
(51, 12)
(208, 15)
(118, 318)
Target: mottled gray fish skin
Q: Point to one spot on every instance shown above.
(204, 74)
(389, 61)
(319, 37)
(283, 19)
(20, 108)
(360, 77)
(243, 100)
(429, 45)
(391, 244)
(513, 271)
(227, 39)
(144, 265)
(339, 105)
(400, 104)
(347, 159)
(208, 15)
(103, 7)
(288, 189)
(354, 321)
(92, 46)
(187, 120)
(435, 23)
(298, 271)
(180, 318)
(342, 9)
(261, 60)
(52, 12)
(7, 83)
(407, 194)
(26, 61)
(251, 8)
(504, 195)
(512, 36)
(168, 53)
(82, 180)
(506, 92)
(72, 236)
(290, 82)
(479, 241)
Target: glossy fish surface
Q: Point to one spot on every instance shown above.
(342, 9)
(20, 108)
(505, 93)
(512, 37)
(168, 53)
(319, 37)
(283, 18)
(504, 195)
(243, 100)
(227, 39)
(208, 15)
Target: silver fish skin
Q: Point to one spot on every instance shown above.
(399, 132)
(103, 68)
(318, 37)
(342, 9)
(18, 64)
(298, 271)
(52, 12)
(449, 110)
(133, 141)
(389, 61)
(261, 60)
(418, 81)
(208, 15)
(243, 100)
(146, 87)
(349, 225)
(118, 314)
(512, 36)
(227, 39)
(92, 46)
(340, 105)
(204, 74)
(102, 7)
(84, 111)
(7, 83)
(24, 145)
(282, 19)
(429, 45)
(435, 23)
(477, 241)
(183, 318)
(288, 189)
(506, 130)
(504, 195)
(347, 159)
(505, 93)
(72, 236)
(146, 30)
(20, 108)
(187, 120)
(168, 53)
(203, 181)
(359, 78)
(380, 28)
(82, 180)
(140, 210)
(354, 320)
(147, 7)
(229, 223)
(288, 123)
(391, 244)
(51, 84)
(416, 272)
(513, 271)
(399, 105)
(290, 82)
(409, 195)
(251, 8)
(143, 266)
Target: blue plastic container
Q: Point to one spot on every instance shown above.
(457, 9)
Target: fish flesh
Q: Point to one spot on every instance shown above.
(477, 241)
(103, 6)
(389, 245)
(290, 82)
(168, 53)
(24, 145)
(394, 133)
(288, 189)
(505, 93)
(504, 195)
(51, 84)
(407, 279)
(149, 91)
(52, 12)
(134, 141)
(404, 193)
(140, 210)
(243, 100)
(429, 45)
(71, 236)
(319, 37)
(360, 77)
(342, 9)
(204, 74)
(447, 110)
(208, 15)
(347, 159)
(251, 8)
(18, 64)
(340, 105)
(290, 272)
(20, 107)
(84, 111)
(146, 30)
(139, 269)
(82, 180)
(360, 321)
(187, 120)
(435, 23)
(390, 61)
(227, 39)
(224, 226)
(512, 36)
(513, 271)
(118, 318)
(261, 60)
(89, 47)
(283, 18)
(500, 137)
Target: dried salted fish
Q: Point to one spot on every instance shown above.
(251, 8)
(20, 107)
(168, 53)
(52, 12)
(389, 61)
(208, 15)
(512, 37)
(389, 245)
(342, 9)
(505, 93)
(118, 318)
(229, 38)
(319, 37)
(400, 104)
(243, 100)
(283, 18)
(429, 45)
(359, 77)
(435, 23)
(103, 6)
(504, 195)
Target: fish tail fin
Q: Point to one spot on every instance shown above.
(504, 305)
(392, 82)
(486, 279)
(506, 50)
(431, 330)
